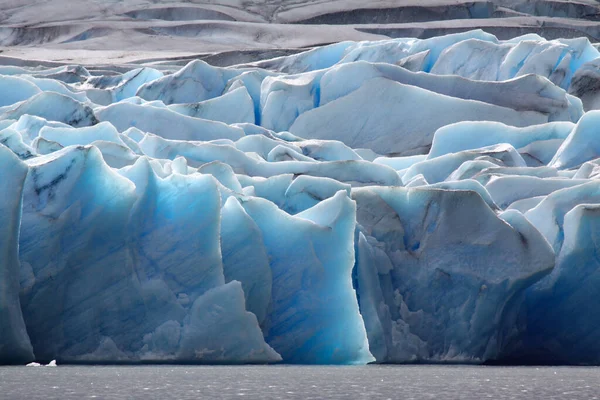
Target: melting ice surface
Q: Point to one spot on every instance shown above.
(398, 201)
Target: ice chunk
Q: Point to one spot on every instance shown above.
(548, 216)
(14, 141)
(525, 93)
(197, 153)
(473, 135)
(415, 62)
(468, 184)
(33, 364)
(145, 282)
(251, 81)
(65, 193)
(272, 188)
(540, 153)
(525, 205)
(66, 74)
(231, 108)
(196, 82)
(55, 107)
(131, 81)
(440, 168)
(561, 325)
(328, 150)
(15, 89)
(394, 123)
(284, 153)
(391, 50)
(43, 146)
(505, 190)
(51, 85)
(262, 145)
(432, 256)
(223, 173)
(221, 330)
(473, 54)
(585, 84)
(307, 191)
(29, 126)
(555, 60)
(283, 98)
(178, 241)
(82, 136)
(582, 144)
(166, 123)
(15, 347)
(314, 316)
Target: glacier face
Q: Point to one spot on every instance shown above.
(395, 201)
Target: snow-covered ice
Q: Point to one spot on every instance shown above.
(401, 200)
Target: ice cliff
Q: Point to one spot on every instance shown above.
(395, 201)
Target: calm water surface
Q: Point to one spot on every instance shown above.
(293, 382)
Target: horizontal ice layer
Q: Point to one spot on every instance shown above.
(235, 107)
(505, 190)
(384, 116)
(165, 122)
(52, 106)
(284, 98)
(69, 136)
(52, 85)
(473, 135)
(198, 153)
(528, 92)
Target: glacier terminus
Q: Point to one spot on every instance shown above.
(390, 201)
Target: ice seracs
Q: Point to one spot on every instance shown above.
(392, 201)
(434, 267)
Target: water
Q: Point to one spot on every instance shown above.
(294, 382)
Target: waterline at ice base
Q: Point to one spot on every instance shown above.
(395, 201)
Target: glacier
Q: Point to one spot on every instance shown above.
(391, 201)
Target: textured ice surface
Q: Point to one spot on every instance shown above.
(401, 200)
(14, 341)
(434, 269)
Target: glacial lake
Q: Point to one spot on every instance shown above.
(299, 382)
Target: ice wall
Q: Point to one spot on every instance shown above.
(396, 201)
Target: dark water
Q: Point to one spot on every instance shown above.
(292, 382)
